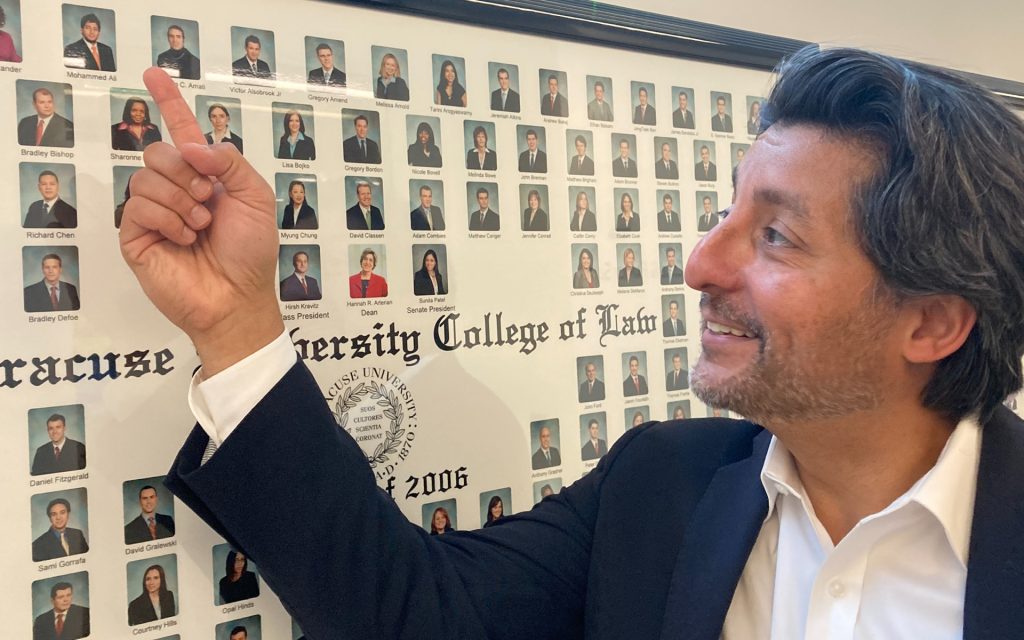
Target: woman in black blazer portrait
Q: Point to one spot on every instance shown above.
(628, 220)
(135, 132)
(295, 144)
(480, 158)
(220, 127)
(534, 218)
(297, 213)
(238, 582)
(423, 152)
(428, 281)
(156, 601)
(449, 91)
(495, 511)
(440, 523)
(390, 85)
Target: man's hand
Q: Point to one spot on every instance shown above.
(199, 232)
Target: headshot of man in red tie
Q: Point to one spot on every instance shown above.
(59, 453)
(149, 525)
(66, 620)
(46, 128)
(51, 293)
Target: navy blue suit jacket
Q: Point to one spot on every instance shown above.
(648, 545)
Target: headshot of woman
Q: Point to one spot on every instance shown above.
(638, 419)
(366, 283)
(428, 281)
(135, 132)
(754, 118)
(629, 275)
(8, 53)
(449, 91)
(586, 272)
(678, 413)
(155, 602)
(628, 219)
(534, 218)
(390, 85)
(423, 152)
(220, 129)
(480, 157)
(238, 582)
(440, 523)
(583, 219)
(295, 144)
(495, 511)
(297, 213)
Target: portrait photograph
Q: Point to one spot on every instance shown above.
(293, 131)
(705, 162)
(449, 73)
(364, 199)
(48, 199)
(677, 369)
(122, 179)
(440, 517)
(627, 214)
(221, 120)
(585, 271)
(427, 210)
(298, 271)
(715, 412)
(66, 595)
(176, 47)
(504, 87)
(737, 151)
(668, 211)
(706, 207)
(481, 150)
(554, 92)
(388, 66)
(590, 378)
(45, 114)
(325, 64)
(636, 416)
(60, 524)
(50, 277)
(641, 95)
(683, 108)
(674, 313)
(624, 155)
(534, 203)
(90, 38)
(634, 374)
(546, 487)
(361, 136)
(430, 273)
(600, 98)
(152, 589)
(593, 436)
(135, 119)
(56, 439)
(368, 264)
(495, 505)
(235, 577)
(545, 444)
(482, 205)
(666, 159)
(423, 133)
(253, 56)
(10, 31)
(678, 410)
(297, 202)
(148, 510)
(582, 209)
(671, 259)
(247, 628)
(531, 142)
(579, 145)
(721, 112)
(754, 114)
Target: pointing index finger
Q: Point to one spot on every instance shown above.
(181, 123)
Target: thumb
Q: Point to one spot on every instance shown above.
(224, 162)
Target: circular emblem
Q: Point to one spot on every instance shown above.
(376, 408)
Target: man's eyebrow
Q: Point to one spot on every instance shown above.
(789, 201)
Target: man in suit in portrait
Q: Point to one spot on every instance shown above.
(360, 148)
(179, 61)
(671, 273)
(634, 384)
(250, 65)
(644, 113)
(66, 620)
(533, 160)
(598, 108)
(59, 540)
(678, 378)
(682, 118)
(668, 219)
(581, 164)
(665, 168)
(364, 215)
(721, 121)
(51, 293)
(673, 326)
(238, 632)
(427, 216)
(484, 218)
(554, 103)
(708, 219)
(61, 453)
(705, 170)
(89, 52)
(594, 447)
(51, 211)
(624, 166)
(591, 389)
(545, 456)
(504, 98)
(149, 525)
(300, 285)
(326, 74)
(46, 128)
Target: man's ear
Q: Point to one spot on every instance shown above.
(940, 326)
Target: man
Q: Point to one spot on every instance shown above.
(705, 170)
(678, 378)
(179, 61)
(149, 525)
(59, 540)
(670, 273)
(545, 456)
(89, 52)
(644, 113)
(61, 453)
(51, 293)
(504, 98)
(484, 218)
(238, 633)
(360, 148)
(673, 326)
(533, 160)
(668, 219)
(553, 103)
(65, 621)
(300, 285)
(326, 74)
(427, 216)
(665, 168)
(721, 121)
(634, 384)
(592, 389)
(598, 109)
(682, 118)
(624, 166)
(47, 128)
(629, 276)
(708, 219)
(871, 372)
(364, 215)
(581, 164)
(51, 211)
(250, 65)
(594, 447)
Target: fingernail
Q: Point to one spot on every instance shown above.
(200, 187)
(200, 216)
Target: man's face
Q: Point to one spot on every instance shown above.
(594, 430)
(91, 32)
(624, 150)
(503, 80)
(677, 363)
(55, 430)
(642, 96)
(361, 128)
(252, 51)
(552, 86)
(175, 39)
(666, 152)
(531, 142)
(44, 104)
(301, 264)
(634, 367)
(581, 148)
(545, 438)
(52, 270)
(666, 205)
(673, 308)
(591, 372)
(683, 100)
(58, 517)
(707, 205)
(705, 155)
(48, 187)
(483, 199)
(240, 635)
(364, 194)
(670, 259)
(147, 501)
(720, 103)
(426, 198)
(599, 93)
(794, 326)
(62, 600)
(740, 153)
(326, 57)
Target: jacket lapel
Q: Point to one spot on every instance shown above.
(715, 548)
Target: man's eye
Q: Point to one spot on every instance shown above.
(772, 236)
